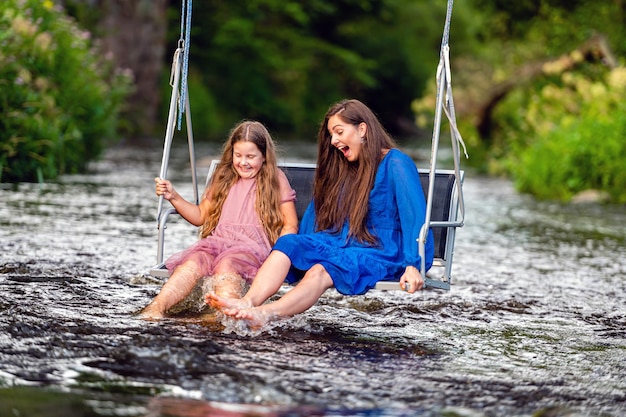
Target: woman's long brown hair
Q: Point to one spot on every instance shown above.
(341, 191)
(225, 176)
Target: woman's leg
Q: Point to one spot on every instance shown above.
(302, 297)
(176, 288)
(266, 283)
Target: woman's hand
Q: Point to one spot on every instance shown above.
(164, 188)
(411, 280)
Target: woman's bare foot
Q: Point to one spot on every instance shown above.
(254, 317)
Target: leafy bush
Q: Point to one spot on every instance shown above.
(59, 99)
(570, 138)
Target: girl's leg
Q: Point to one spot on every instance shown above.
(226, 282)
(176, 288)
(266, 283)
(302, 297)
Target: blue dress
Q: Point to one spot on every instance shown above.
(397, 209)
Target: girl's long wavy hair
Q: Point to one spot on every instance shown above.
(225, 176)
(342, 188)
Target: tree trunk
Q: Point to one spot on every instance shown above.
(134, 32)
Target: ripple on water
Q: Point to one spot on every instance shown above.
(534, 321)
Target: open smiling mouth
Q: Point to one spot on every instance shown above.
(344, 150)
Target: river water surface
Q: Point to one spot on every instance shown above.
(534, 325)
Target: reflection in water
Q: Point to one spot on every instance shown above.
(535, 321)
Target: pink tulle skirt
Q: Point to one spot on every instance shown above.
(232, 248)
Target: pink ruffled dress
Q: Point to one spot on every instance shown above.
(239, 238)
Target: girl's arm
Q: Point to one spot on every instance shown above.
(287, 205)
(189, 211)
(290, 218)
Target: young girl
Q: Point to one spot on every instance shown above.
(361, 227)
(246, 206)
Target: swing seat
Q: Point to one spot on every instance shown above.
(444, 222)
(443, 217)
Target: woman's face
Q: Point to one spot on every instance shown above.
(247, 159)
(346, 137)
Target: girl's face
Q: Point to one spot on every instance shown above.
(247, 159)
(346, 137)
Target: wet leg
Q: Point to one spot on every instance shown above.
(229, 285)
(227, 281)
(266, 283)
(176, 288)
(302, 297)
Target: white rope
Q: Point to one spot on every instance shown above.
(446, 29)
(185, 35)
(449, 108)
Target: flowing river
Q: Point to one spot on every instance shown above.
(534, 325)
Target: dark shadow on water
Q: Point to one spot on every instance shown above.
(138, 402)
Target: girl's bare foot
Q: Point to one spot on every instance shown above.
(226, 303)
(151, 312)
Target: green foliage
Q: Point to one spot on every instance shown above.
(569, 137)
(59, 100)
(556, 129)
(284, 62)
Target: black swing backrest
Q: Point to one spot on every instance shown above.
(443, 198)
(301, 179)
(300, 176)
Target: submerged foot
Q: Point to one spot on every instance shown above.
(151, 312)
